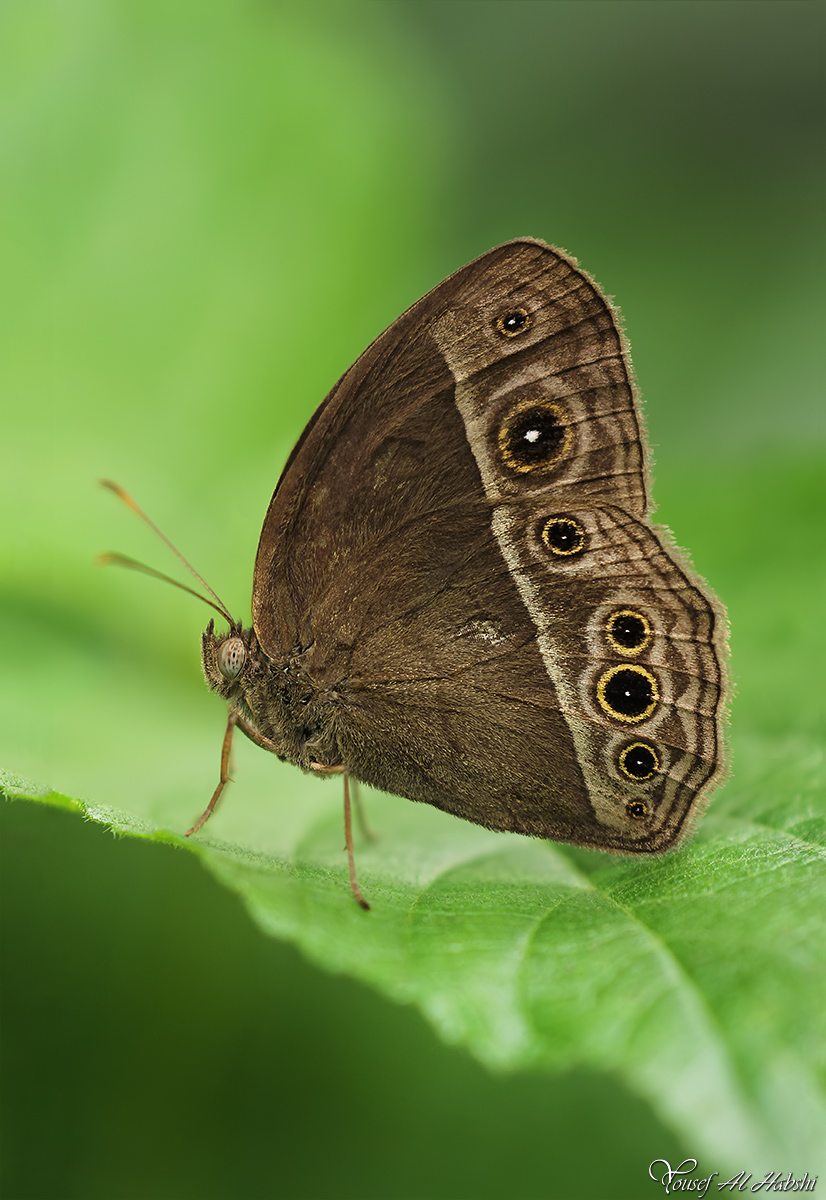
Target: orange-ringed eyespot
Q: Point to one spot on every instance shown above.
(511, 324)
(534, 435)
(563, 536)
(628, 631)
(628, 693)
(636, 809)
(639, 761)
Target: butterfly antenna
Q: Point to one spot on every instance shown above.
(123, 561)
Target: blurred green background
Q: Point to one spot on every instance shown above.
(207, 211)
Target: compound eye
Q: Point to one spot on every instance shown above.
(231, 657)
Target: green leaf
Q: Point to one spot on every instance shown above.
(205, 221)
(697, 977)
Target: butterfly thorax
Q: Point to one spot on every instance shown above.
(277, 700)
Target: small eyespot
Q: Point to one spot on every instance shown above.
(628, 631)
(511, 324)
(563, 536)
(534, 436)
(636, 809)
(231, 657)
(628, 693)
(639, 761)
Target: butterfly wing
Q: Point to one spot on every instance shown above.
(458, 557)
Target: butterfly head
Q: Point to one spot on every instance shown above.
(229, 659)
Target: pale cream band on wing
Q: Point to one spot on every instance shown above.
(464, 339)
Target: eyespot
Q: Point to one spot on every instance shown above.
(628, 693)
(636, 809)
(563, 536)
(534, 435)
(628, 631)
(231, 657)
(511, 324)
(639, 761)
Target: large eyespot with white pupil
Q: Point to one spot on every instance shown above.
(628, 693)
(534, 435)
(639, 762)
(231, 657)
(513, 322)
(628, 631)
(563, 536)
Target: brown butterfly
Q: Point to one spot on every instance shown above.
(458, 595)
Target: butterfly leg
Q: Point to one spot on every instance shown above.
(232, 721)
(252, 733)
(348, 827)
(235, 720)
(348, 841)
(361, 815)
